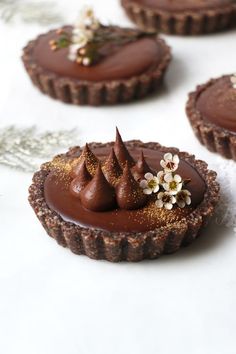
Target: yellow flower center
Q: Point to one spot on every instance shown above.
(173, 185)
(151, 184)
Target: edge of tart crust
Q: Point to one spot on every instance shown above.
(181, 23)
(82, 92)
(120, 246)
(215, 138)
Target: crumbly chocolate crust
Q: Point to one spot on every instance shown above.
(181, 23)
(133, 247)
(215, 138)
(78, 92)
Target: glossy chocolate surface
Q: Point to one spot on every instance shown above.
(180, 5)
(98, 195)
(59, 199)
(217, 104)
(124, 62)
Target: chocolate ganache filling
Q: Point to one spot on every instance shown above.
(217, 103)
(108, 196)
(120, 59)
(184, 5)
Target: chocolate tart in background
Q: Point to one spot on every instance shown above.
(211, 110)
(93, 64)
(183, 17)
(108, 201)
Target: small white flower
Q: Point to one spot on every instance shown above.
(233, 80)
(73, 51)
(82, 34)
(170, 162)
(72, 56)
(173, 183)
(74, 48)
(86, 61)
(87, 19)
(183, 198)
(150, 184)
(166, 200)
(81, 38)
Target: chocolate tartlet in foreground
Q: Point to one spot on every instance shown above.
(211, 110)
(184, 17)
(106, 201)
(96, 64)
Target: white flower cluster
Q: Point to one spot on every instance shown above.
(83, 32)
(233, 80)
(167, 185)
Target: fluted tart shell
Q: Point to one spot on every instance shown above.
(126, 246)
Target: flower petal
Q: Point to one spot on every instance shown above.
(160, 195)
(148, 176)
(159, 203)
(143, 184)
(179, 187)
(181, 204)
(163, 164)
(168, 206)
(177, 178)
(156, 189)
(168, 177)
(176, 159)
(172, 192)
(166, 186)
(168, 156)
(147, 191)
(188, 200)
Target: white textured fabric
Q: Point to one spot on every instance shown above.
(53, 302)
(226, 211)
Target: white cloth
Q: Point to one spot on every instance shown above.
(53, 302)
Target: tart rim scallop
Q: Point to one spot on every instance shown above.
(182, 23)
(122, 246)
(215, 138)
(82, 92)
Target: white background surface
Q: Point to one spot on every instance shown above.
(54, 302)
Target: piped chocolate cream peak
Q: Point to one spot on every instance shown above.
(98, 195)
(80, 181)
(129, 195)
(141, 168)
(122, 152)
(112, 169)
(91, 161)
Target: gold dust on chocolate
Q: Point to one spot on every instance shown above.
(111, 195)
(231, 96)
(161, 217)
(61, 167)
(86, 156)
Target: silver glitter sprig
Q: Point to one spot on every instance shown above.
(41, 12)
(26, 149)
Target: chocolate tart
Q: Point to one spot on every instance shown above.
(127, 72)
(211, 110)
(131, 230)
(183, 17)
